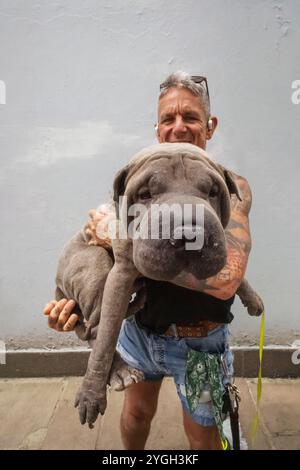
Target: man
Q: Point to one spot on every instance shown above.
(183, 116)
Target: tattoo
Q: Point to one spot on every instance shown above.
(238, 239)
(224, 284)
(243, 207)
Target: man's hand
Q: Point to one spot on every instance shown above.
(60, 316)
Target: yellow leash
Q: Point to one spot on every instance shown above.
(224, 444)
(255, 423)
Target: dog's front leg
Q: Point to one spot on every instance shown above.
(91, 397)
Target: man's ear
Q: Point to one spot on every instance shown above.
(211, 127)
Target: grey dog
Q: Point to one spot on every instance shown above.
(102, 281)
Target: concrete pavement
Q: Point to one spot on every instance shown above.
(38, 413)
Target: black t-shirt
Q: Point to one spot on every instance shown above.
(167, 303)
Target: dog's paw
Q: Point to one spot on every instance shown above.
(122, 375)
(90, 400)
(255, 306)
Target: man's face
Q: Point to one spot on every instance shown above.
(181, 118)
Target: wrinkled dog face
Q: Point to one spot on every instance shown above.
(179, 205)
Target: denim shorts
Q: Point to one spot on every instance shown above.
(159, 356)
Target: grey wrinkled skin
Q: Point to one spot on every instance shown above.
(102, 288)
(250, 299)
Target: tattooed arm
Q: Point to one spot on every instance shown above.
(224, 284)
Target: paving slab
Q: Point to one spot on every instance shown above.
(39, 414)
(26, 407)
(287, 442)
(109, 437)
(247, 412)
(280, 411)
(64, 429)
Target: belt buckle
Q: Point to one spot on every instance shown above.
(174, 329)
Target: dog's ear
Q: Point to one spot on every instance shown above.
(232, 186)
(119, 183)
(119, 186)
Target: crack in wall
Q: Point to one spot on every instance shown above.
(283, 24)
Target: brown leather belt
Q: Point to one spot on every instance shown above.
(200, 329)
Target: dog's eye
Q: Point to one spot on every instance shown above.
(214, 190)
(144, 195)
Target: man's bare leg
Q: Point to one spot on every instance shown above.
(200, 437)
(140, 403)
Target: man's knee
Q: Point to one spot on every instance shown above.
(201, 437)
(143, 410)
(140, 402)
(131, 414)
(207, 440)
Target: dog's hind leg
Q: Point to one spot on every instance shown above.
(122, 375)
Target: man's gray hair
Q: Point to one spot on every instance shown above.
(183, 80)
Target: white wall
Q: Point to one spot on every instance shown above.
(81, 82)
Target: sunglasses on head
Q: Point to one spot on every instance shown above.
(197, 79)
(201, 81)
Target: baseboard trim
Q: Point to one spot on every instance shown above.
(277, 362)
